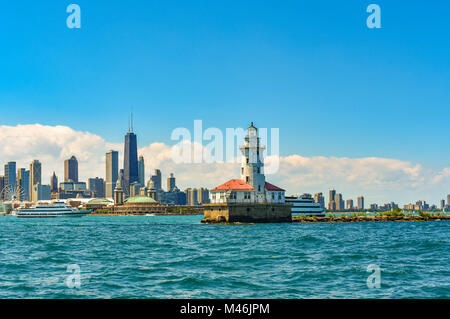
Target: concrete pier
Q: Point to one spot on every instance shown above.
(247, 213)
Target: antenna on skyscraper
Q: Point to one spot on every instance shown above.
(132, 129)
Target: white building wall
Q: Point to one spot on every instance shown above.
(221, 197)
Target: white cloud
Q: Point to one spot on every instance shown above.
(380, 179)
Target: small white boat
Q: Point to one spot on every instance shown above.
(57, 209)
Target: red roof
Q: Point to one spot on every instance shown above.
(271, 187)
(235, 185)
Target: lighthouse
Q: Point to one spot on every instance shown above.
(252, 168)
(250, 199)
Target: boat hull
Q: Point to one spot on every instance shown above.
(53, 215)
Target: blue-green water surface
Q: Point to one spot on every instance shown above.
(176, 257)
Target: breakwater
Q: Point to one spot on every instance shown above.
(369, 218)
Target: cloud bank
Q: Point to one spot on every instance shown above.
(379, 179)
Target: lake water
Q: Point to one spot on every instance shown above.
(176, 257)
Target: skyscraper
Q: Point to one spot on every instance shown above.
(35, 178)
(130, 161)
(71, 170)
(10, 175)
(23, 180)
(54, 183)
(171, 183)
(360, 202)
(97, 187)
(41, 192)
(141, 170)
(203, 195)
(112, 172)
(191, 196)
(319, 199)
(332, 203)
(448, 200)
(339, 202)
(157, 180)
(349, 204)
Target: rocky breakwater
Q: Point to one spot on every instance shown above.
(370, 218)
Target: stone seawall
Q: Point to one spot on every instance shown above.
(247, 213)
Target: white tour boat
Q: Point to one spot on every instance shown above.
(56, 209)
(305, 205)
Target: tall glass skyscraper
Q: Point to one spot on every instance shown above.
(130, 162)
(23, 180)
(141, 167)
(35, 178)
(112, 172)
(10, 175)
(71, 170)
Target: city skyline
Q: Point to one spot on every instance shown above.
(195, 181)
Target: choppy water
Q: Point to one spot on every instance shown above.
(175, 257)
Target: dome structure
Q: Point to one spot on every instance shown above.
(140, 200)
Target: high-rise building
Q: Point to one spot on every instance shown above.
(339, 202)
(332, 203)
(448, 200)
(112, 172)
(35, 177)
(360, 202)
(135, 189)
(41, 192)
(10, 175)
(157, 180)
(71, 170)
(54, 183)
(141, 170)
(442, 203)
(191, 196)
(203, 195)
(171, 183)
(97, 187)
(349, 204)
(319, 199)
(23, 181)
(130, 161)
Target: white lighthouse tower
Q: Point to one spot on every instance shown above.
(252, 169)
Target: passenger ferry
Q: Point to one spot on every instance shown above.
(305, 205)
(57, 209)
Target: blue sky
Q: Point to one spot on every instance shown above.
(311, 68)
